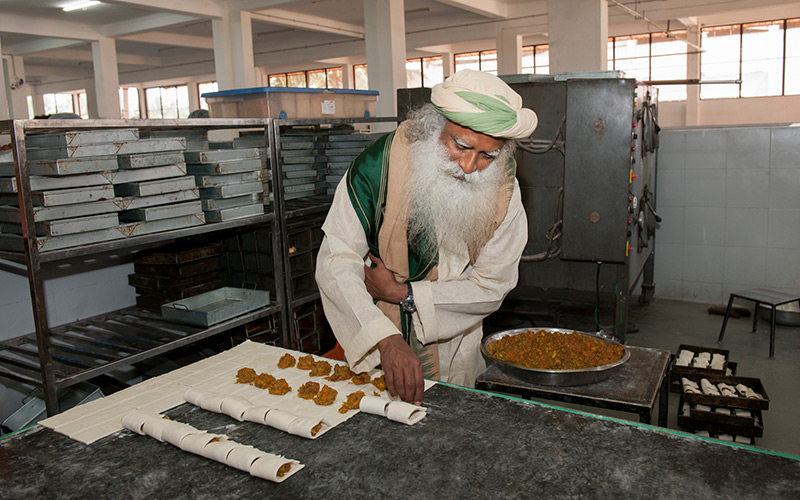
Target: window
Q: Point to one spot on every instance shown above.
(424, 71)
(652, 56)
(485, 60)
(360, 79)
(58, 103)
(536, 59)
(129, 102)
(204, 88)
(324, 78)
(83, 106)
(31, 112)
(762, 55)
(167, 102)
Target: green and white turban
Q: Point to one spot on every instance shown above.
(485, 104)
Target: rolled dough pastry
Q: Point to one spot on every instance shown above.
(218, 450)
(267, 466)
(374, 405)
(196, 442)
(174, 432)
(256, 414)
(235, 406)
(405, 413)
(304, 427)
(243, 456)
(280, 419)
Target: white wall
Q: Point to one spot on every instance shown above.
(726, 112)
(730, 202)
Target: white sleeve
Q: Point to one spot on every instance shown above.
(449, 308)
(356, 321)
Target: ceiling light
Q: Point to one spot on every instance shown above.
(80, 5)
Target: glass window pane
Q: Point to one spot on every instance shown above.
(296, 79)
(83, 105)
(335, 80)
(720, 60)
(527, 59)
(169, 102)
(541, 59)
(277, 80)
(31, 112)
(184, 109)
(792, 85)
(762, 59)
(669, 62)
(610, 53)
(204, 88)
(49, 103)
(64, 103)
(632, 55)
(316, 79)
(133, 103)
(468, 60)
(153, 98)
(361, 80)
(489, 61)
(432, 70)
(413, 73)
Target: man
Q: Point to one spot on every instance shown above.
(424, 237)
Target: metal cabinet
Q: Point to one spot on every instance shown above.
(56, 357)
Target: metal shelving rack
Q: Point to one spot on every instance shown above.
(54, 358)
(291, 212)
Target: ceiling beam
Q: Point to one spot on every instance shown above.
(145, 23)
(51, 28)
(39, 45)
(163, 38)
(195, 8)
(82, 71)
(86, 56)
(308, 22)
(493, 9)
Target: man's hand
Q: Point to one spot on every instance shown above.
(402, 369)
(381, 283)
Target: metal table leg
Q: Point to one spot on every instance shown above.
(725, 320)
(663, 401)
(772, 332)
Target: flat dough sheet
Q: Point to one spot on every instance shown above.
(102, 417)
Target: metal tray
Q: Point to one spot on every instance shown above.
(215, 306)
(554, 377)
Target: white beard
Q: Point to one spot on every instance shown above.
(460, 211)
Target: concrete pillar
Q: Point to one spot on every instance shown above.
(91, 102)
(38, 102)
(233, 50)
(16, 93)
(578, 35)
(693, 71)
(194, 94)
(106, 79)
(4, 81)
(347, 76)
(385, 37)
(142, 102)
(509, 53)
(447, 63)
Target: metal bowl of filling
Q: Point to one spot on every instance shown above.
(554, 377)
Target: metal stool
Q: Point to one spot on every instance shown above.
(760, 296)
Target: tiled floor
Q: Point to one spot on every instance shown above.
(666, 324)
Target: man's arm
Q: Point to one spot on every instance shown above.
(367, 336)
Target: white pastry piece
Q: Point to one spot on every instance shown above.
(723, 411)
(235, 406)
(211, 402)
(193, 395)
(743, 440)
(135, 420)
(174, 432)
(703, 433)
(709, 388)
(726, 390)
(242, 457)
(196, 442)
(690, 386)
(268, 466)
(219, 450)
(374, 405)
(700, 362)
(741, 412)
(256, 414)
(304, 427)
(748, 392)
(280, 419)
(717, 361)
(405, 413)
(684, 358)
(701, 408)
(725, 437)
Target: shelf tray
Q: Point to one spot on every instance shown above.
(215, 306)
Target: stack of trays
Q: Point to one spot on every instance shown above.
(90, 186)
(301, 171)
(727, 408)
(257, 141)
(230, 182)
(714, 402)
(340, 151)
(174, 273)
(196, 139)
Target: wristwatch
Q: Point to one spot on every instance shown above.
(408, 303)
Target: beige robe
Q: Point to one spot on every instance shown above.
(450, 310)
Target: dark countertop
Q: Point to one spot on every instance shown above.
(471, 445)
